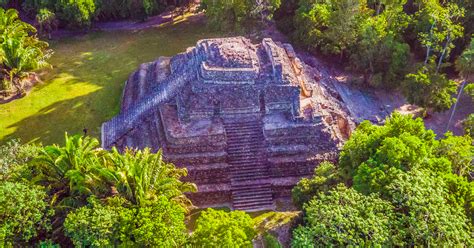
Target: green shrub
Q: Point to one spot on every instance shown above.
(13, 156)
(76, 13)
(24, 213)
(99, 225)
(217, 228)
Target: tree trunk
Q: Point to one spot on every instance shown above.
(429, 47)
(443, 53)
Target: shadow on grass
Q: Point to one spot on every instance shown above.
(49, 124)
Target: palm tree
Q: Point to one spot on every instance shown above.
(142, 176)
(73, 172)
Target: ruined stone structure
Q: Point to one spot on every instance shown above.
(246, 120)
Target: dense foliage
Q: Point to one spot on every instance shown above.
(81, 13)
(217, 228)
(345, 217)
(159, 223)
(100, 198)
(325, 177)
(406, 189)
(236, 14)
(21, 52)
(406, 45)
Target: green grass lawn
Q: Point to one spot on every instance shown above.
(84, 88)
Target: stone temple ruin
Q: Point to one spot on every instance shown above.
(246, 120)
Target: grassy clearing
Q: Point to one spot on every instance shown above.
(84, 88)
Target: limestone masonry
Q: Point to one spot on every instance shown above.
(246, 120)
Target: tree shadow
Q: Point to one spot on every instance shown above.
(49, 123)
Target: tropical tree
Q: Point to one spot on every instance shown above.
(429, 89)
(345, 217)
(331, 26)
(465, 66)
(142, 176)
(380, 52)
(235, 14)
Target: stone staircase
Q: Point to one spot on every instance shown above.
(251, 188)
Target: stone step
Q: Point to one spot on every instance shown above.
(236, 169)
(252, 176)
(244, 136)
(252, 194)
(248, 162)
(243, 170)
(257, 151)
(257, 200)
(249, 171)
(253, 185)
(242, 124)
(240, 143)
(246, 126)
(258, 206)
(241, 147)
(247, 154)
(243, 154)
(252, 201)
(247, 131)
(243, 197)
(255, 193)
(244, 174)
